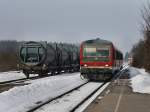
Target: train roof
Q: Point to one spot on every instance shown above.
(97, 41)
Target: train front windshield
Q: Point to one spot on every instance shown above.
(31, 54)
(96, 53)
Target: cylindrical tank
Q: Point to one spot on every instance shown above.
(42, 57)
(64, 54)
(75, 54)
(51, 57)
(73, 51)
(37, 53)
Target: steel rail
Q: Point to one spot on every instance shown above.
(50, 100)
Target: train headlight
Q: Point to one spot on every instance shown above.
(106, 65)
(85, 65)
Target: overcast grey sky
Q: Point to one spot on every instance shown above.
(72, 20)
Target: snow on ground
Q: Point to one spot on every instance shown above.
(69, 101)
(21, 99)
(11, 75)
(140, 80)
(125, 66)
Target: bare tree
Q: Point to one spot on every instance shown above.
(141, 51)
(8, 55)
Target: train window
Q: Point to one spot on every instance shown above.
(102, 52)
(89, 51)
(95, 52)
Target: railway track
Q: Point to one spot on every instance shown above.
(24, 79)
(76, 92)
(53, 99)
(80, 94)
(81, 106)
(6, 85)
(76, 100)
(21, 80)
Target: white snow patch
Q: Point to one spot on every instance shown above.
(21, 99)
(125, 66)
(11, 75)
(69, 101)
(140, 80)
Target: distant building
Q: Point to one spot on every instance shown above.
(130, 59)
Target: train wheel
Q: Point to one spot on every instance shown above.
(52, 73)
(83, 76)
(26, 74)
(43, 74)
(40, 75)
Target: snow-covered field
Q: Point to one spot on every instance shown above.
(21, 99)
(140, 80)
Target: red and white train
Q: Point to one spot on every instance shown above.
(99, 59)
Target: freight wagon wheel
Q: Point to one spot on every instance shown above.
(58, 72)
(26, 74)
(83, 76)
(41, 75)
(52, 73)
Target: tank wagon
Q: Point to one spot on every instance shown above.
(99, 59)
(42, 58)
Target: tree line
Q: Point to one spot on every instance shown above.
(141, 51)
(9, 55)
